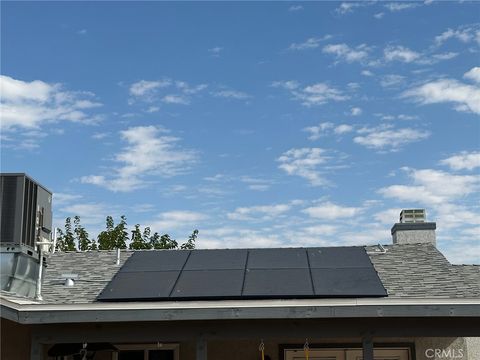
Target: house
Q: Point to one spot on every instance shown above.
(401, 301)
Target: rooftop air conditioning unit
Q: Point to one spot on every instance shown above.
(25, 220)
(25, 211)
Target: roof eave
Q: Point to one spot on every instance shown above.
(237, 310)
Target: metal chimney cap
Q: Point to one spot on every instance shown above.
(413, 226)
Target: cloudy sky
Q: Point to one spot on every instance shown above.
(260, 124)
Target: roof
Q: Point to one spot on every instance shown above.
(420, 282)
(407, 271)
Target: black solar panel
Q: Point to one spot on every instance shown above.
(277, 259)
(338, 257)
(351, 282)
(245, 274)
(286, 283)
(209, 284)
(140, 285)
(234, 259)
(163, 260)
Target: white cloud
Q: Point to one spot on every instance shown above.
(379, 15)
(311, 95)
(326, 128)
(90, 213)
(386, 137)
(316, 132)
(331, 211)
(305, 163)
(166, 90)
(256, 184)
(215, 51)
(152, 109)
(347, 7)
(286, 84)
(464, 34)
(403, 54)
(343, 129)
(146, 89)
(187, 89)
(175, 99)
(367, 73)
(473, 74)
(399, 6)
(64, 198)
(433, 187)
(237, 237)
(391, 80)
(318, 94)
(387, 217)
(400, 53)
(260, 212)
(178, 219)
(100, 136)
(346, 53)
(323, 229)
(31, 105)
(466, 97)
(295, 8)
(353, 86)
(463, 161)
(259, 187)
(150, 152)
(444, 56)
(406, 117)
(310, 43)
(355, 111)
(231, 94)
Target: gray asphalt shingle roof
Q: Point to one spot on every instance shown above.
(421, 271)
(95, 269)
(406, 271)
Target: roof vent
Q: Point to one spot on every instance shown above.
(69, 279)
(413, 216)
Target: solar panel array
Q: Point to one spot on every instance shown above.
(245, 274)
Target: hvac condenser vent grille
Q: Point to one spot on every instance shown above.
(9, 202)
(29, 208)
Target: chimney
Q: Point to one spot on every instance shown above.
(413, 229)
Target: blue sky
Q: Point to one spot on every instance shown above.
(260, 124)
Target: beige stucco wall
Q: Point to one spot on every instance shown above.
(473, 347)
